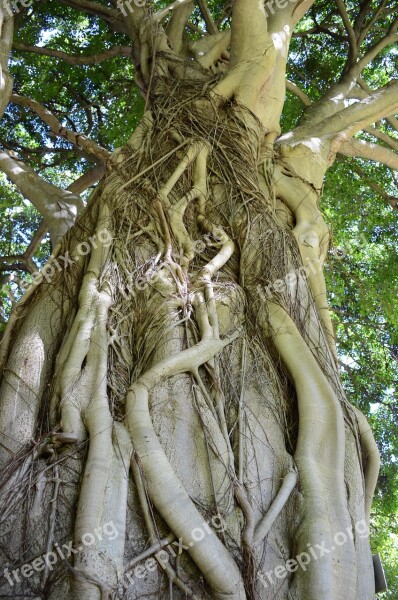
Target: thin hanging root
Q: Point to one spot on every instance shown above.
(288, 484)
(153, 549)
(371, 460)
(156, 544)
(52, 519)
(320, 455)
(241, 415)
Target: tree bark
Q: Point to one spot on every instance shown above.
(177, 375)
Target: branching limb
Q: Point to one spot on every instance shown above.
(365, 91)
(361, 30)
(300, 8)
(6, 37)
(391, 200)
(387, 40)
(111, 15)
(383, 137)
(250, 79)
(176, 26)
(92, 176)
(292, 87)
(288, 13)
(25, 261)
(367, 150)
(210, 49)
(393, 122)
(208, 19)
(348, 121)
(162, 14)
(353, 48)
(335, 99)
(249, 31)
(76, 59)
(58, 207)
(95, 151)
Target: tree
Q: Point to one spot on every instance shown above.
(170, 378)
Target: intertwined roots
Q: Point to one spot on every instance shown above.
(167, 402)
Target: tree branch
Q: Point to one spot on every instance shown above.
(87, 180)
(75, 59)
(383, 137)
(353, 48)
(393, 122)
(355, 117)
(392, 200)
(6, 37)
(363, 31)
(176, 26)
(115, 18)
(162, 14)
(15, 262)
(208, 19)
(25, 262)
(335, 97)
(58, 207)
(249, 30)
(80, 141)
(366, 88)
(299, 10)
(367, 150)
(93, 8)
(292, 87)
(389, 39)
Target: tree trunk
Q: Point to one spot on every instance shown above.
(170, 399)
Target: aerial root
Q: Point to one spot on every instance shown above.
(312, 236)
(156, 543)
(370, 458)
(319, 456)
(288, 484)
